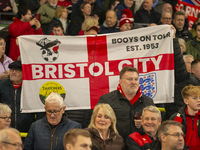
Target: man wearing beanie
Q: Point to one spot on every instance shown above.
(10, 93)
(126, 22)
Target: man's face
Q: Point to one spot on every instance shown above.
(179, 22)
(188, 61)
(53, 2)
(129, 82)
(129, 3)
(54, 112)
(57, 31)
(27, 17)
(16, 139)
(150, 122)
(126, 27)
(102, 121)
(172, 141)
(198, 32)
(5, 122)
(196, 70)
(166, 18)
(147, 5)
(86, 10)
(193, 103)
(111, 18)
(16, 76)
(82, 143)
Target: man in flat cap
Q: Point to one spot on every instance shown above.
(10, 93)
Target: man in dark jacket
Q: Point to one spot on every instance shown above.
(10, 93)
(48, 132)
(111, 24)
(127, 101)
(147, 14)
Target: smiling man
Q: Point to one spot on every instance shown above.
(151, 120)
(127, 101)
(48, 133)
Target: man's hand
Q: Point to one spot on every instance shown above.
(38, 25)
(174, 30)
(138, 123)
(4, 75)
(7, 8)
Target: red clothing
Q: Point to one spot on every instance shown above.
(192, 138)
(16, 29)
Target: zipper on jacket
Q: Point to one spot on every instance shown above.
(15, 101)
(52, 133)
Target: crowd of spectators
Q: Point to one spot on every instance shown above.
(122, 119)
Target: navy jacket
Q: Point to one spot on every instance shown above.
(42, 136)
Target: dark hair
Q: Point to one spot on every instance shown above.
(195, 27)
(22, 11)
(193, 64)
(128, 68)
(57, 25)
(83, 5)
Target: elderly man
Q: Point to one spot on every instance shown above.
(179, 22)
(127, 101)
(48, 133)
(151, 120)
(10, 94)
(166, 18)
(171, 136)
(77, 139)
(147, 14)
(188, 59)
(23, 25)
(111, 24)
(10, 139)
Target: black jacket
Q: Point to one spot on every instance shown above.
(10, 96)
(124, 111)
(143, 16)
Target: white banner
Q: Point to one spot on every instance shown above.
(83, 68)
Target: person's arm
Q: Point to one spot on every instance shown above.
(131, 144)
(29, 140)
(44, 17)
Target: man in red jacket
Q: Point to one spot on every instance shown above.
(23, 25)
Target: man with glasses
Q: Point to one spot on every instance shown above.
(166, 18)
(48, 132)
(151, 120)
(171, 136)
(10, 94)
(10, 139)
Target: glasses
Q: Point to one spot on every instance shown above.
(177, 135)
(6, 118)
(167, 18)
(17, 145)
(16, 70)
(55, 112)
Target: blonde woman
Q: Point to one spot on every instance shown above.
(60, 17)
(88, 24)
(5, 116)
(103, 130)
